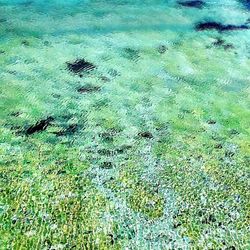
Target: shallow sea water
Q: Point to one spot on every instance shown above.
(123, 126)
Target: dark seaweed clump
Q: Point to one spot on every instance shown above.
(219, 26)
(39, 126)
(222, 43)
(219, 42)
(192, 4)
(80, 66)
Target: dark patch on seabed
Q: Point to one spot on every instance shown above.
(146, 134)
(221, 43)
(131, 54)
(219, 26)
(80, 65)
(192, 4)
(106, 165)
(246, 3)
(39, 126)
(88, 89)
(162, 49)
(70, 130)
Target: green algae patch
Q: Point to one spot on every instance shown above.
(149, 204)
(210, 197)
(49, 203)
(141, 197)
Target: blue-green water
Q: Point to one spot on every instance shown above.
(124, 124)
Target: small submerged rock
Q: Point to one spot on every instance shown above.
(123, 149)
(211, 122)
(113, 73)
(46, 43)
(229, 153)
(106, 165)
(16, 114)
(228, 46)
(209, 219)
(146, 134)
(25, 43)
(105, 152)
(79, 66)
(104, 79)
(61, 172)
(162, 49)
(234, 132)
(108, 136)
(131, 54)
(88, 89)
(192, 4)
(219, 42)
(56, 96)
(218, 146)
(219, 26)
(39, 126)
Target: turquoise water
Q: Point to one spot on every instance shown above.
(124, 124)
